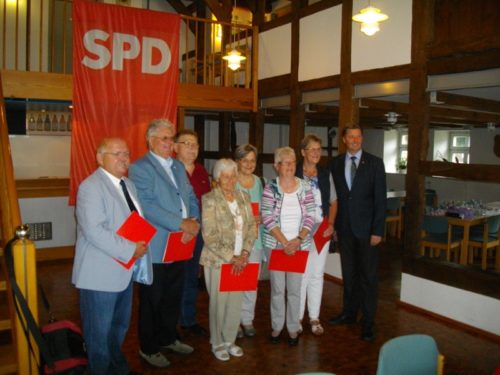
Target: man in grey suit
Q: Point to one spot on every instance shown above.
(171, 206)
(105, 285)
(359, 178)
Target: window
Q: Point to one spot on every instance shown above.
(459, 147)
(402, 150)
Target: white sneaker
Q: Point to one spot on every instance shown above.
(234, 350)
(156, 360)
(221, 353)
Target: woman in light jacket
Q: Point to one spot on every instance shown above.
(288, 218)
(229, 231)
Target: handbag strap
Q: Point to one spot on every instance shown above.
(25, 316)
(46, 303)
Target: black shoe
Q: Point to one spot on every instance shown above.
(275, 339)
(293, 341)
(341, 319)
(367, 334)
(196, 330)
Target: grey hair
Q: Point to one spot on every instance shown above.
(243, 150)
(224, 165)
(281, 152)
(156, 124)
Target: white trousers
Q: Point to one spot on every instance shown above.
(312, 282)
(250, 298)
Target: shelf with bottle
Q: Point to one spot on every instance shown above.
(45, 122)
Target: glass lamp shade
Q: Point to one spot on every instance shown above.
(369, 18)
(234, 59)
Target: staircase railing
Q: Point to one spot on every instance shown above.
(23, 251)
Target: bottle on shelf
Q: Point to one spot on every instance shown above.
(69, 123)
(46, 123)
(31, 122)
(62, 123)
(54, 124)
(39, 122)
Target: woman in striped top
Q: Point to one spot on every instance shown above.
(288, 216)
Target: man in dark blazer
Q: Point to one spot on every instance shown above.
(359, 178)
(169, 204)
(105, 286)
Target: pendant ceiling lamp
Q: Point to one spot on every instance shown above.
(369, 18)
(234, 56)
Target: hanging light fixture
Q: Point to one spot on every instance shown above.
(369, 18)
(234, 57)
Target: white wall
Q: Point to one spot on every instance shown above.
(275, 52)
(391, 45)
(463, 306)
(325, 52)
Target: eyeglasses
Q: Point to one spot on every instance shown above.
(118, 154)
(189, 144)
(165, 138)
(313, 149)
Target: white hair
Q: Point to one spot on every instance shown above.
(224, 165)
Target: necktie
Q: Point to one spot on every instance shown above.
(129, 200)
(353, 169)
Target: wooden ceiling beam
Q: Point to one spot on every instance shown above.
(467, 102)
(221, 11)
(179, 7)
(384, 105)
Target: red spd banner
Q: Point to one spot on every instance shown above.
(125, 73)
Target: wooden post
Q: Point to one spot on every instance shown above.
(23, 251)
(418, 123)
(347, 112)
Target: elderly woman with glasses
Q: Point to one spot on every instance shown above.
(246, 158)
(325, 199)
(229, 232)
(288, 218)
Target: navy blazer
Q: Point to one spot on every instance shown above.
(361, 209)
(160, 199)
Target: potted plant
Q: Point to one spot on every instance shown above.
(402, 164)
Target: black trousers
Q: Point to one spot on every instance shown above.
(359, 261)
(160, 306)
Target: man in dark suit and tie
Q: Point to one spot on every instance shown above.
(359, 178)
(169, 204)
(104, 201)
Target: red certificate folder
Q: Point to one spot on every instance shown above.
(288, 263)
(255, 208)
(176, 250)
(135, 229)
(319, 240)
(244, 282)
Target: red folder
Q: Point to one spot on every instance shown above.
(319, 240)
(288, 263)
(244, 282)
(176, 250)
(135, 229)
(255, 208)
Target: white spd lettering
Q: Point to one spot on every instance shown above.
(125, 47)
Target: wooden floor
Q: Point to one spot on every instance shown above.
(339, 350)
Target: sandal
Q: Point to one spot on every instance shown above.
(317, 328)
(221, 353)
(234, 350)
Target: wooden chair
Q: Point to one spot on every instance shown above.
(393, 215)
(488, 239)
(438, 236)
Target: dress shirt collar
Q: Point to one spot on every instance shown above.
(165, 163)
(357, 155)
(114, 180)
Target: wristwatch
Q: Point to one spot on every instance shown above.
(300, 238)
